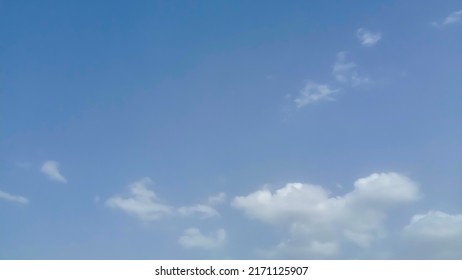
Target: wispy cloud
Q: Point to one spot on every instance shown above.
(317, 224)
(142, 202)
(452, 18)
(313, 93)
(217, 199)
(204, 211)
(51, 169)
(368, 38)
(193, 238)
(345, 71)
(13, 198)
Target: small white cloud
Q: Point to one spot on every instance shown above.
(313, 93)
(452, 18)
(217, 199)
(143, 203)
(51, 169)
(435, 235)
(204, 211)
(308, 213)
(384, 189)
(435, 225)
(193, 238)
(345, 71)
(368, 38)
(13, 198)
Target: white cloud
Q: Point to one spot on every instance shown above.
(193, 238)
(143, 202)
(345, 71)
(316, 222)
(145, 205)
(13, 198)
(313, 93)
(452, 18)
(435, 235)
(51, 169)
(435, 225)
(217, 199)
(368, 38)
(204, 211)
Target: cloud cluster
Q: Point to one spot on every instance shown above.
(193, 238)
(317, 224)
(344, 72)
(144, 204)
(13, 198)
(51, 169)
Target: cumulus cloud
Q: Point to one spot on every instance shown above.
(13, 198)
(217, 199)
(368, 38)
(317, 223)
(452, 18)
(142, 202)
(435, 235)
(193, 238)
(313, 93)
(204, 211)
(51, 169)
(345, 71)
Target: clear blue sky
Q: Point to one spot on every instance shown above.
(230, 129)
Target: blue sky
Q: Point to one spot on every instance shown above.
(230, 129)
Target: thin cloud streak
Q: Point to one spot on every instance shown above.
(13, 198)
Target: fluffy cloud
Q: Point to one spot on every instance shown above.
(368, 38)
(204, 211)
(452, 18)
(193, 238)
(51, 169)
(313, 93)
(317, 224)
(345, 71)
(13, 198)
(142, 202)
(435, 235)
